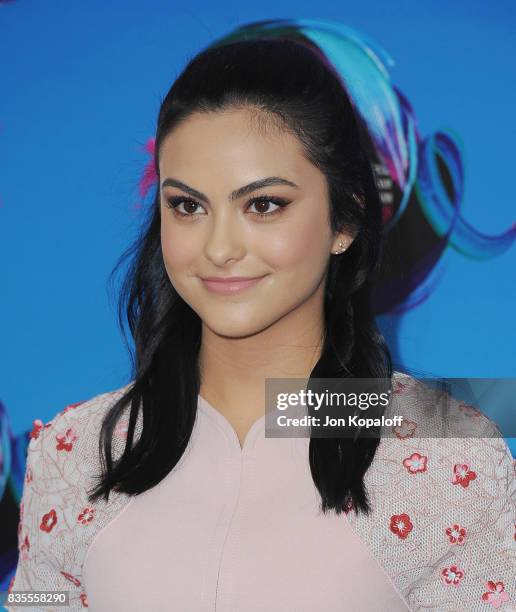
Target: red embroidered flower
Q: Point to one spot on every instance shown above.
(400, 525)
(84, 600)
(496, 595)
(48, 521)
(24, 548)
(37, 427)
(462, 474)
(406, 429)
(28, 475)
(65, 441)
(415, 463)
(456, 534)
(349, 505)
(452, 575)
(86, 516)
(71, 578)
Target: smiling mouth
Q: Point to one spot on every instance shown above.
(225, 286)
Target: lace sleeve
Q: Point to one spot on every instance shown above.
(478, 572)
(45, 519)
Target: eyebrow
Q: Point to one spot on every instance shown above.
(238, 193)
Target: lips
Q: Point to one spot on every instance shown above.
(229, 285)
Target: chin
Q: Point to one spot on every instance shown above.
(231, 327)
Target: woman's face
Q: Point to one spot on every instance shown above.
(289, 246)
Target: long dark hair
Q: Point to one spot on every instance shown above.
(292, 83)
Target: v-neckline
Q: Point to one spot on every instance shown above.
(225, 425)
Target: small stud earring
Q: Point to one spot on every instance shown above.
(342, 248)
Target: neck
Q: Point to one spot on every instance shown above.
(233, 370)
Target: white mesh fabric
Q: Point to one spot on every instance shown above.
(55, 497)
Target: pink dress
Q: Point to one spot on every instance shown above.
(239, 529)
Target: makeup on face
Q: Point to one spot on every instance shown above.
(245, 226)
(229, 286)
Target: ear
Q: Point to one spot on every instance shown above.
(341, 243)
(343, 240)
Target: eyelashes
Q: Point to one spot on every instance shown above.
(176, 201)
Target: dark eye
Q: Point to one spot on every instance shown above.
(190, 206)
(175, 202)
(265, 201)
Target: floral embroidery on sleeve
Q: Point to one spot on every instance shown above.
(456, 534)
(86, 516)
(407, 429)
(49, 520)
(401, 525)
(57, 521)
(462, 474)
(415, 463)
(496, 595)
(65, 441)
(71, 578)
(450, 507)
(43, 528)
(38, 426)
(452, 575)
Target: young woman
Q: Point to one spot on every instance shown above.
(262, 176)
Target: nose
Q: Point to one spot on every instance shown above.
(225, 240)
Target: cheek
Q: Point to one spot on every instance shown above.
(177, 251)
(301, 247)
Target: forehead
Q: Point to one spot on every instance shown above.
(238, 138)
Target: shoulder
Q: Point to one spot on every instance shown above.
(63, 455)
(443, 496)
(431, 411)
(78, 413)
(452, 450)
(75, 427)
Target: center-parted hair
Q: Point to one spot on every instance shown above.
(288, 84)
